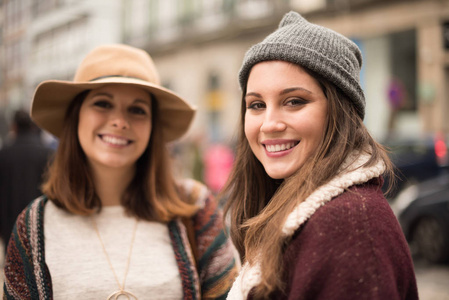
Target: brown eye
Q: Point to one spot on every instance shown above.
(137, 110)
(296, 102)
(102, 104)
(256, 105)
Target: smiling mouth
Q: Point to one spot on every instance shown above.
(280, 147)
(115, 140)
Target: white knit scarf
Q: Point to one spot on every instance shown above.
(250, 275)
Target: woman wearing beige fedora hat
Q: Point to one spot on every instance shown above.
(113, 221)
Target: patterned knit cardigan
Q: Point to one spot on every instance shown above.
(210, 277)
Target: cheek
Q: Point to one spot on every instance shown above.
(82, 125)
(83, 131)
(148, 134)
(323, 122)
(317, 130)
(144, 129)
(249, 137)
(250, 128)
(87, 122)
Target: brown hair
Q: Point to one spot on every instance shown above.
(151, 195)
(258, 204)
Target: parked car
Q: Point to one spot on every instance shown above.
(423, 212)
(416, 160)
(420, 198)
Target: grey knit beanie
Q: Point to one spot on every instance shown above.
(319, 49)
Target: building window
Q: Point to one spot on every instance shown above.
(214, 104)
(187, 11)
(138, 17)
(254, 9)
(402, 88)
(56, 50)
(307, 6)
(167, 20)
(212, 15)
(41, 7)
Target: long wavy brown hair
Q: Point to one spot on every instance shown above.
(258, 205)
(152, 194)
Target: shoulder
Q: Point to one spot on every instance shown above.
(350, 248)
(194, 192)
(217, 258)
(28, 230)
(26, 275)
(361, 212)
(208, 212)
(36, 206)
(358, 221)
(33, 214)
(207, 221)
(358, 202)
(356, 238)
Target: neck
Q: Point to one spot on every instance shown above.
(110, 184)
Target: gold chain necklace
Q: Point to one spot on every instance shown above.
(121, 290)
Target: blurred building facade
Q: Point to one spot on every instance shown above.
(198, 46)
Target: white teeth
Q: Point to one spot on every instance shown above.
(114, 140)
(279, 147)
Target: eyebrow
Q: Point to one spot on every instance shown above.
(137, 100)
(283, 92)
(292, 89)
(102, 94)
(253, 94)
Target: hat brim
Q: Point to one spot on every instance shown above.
(53, 97)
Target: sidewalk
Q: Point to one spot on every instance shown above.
(432, 280)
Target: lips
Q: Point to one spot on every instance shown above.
(114, 140)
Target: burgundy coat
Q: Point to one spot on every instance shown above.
(343, 242)
(351, 248)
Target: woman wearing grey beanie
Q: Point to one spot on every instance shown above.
(307, 211)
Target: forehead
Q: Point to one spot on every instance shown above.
(271, 73)
(280, 76)
(123, 91)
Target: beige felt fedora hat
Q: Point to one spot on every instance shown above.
(118, 64)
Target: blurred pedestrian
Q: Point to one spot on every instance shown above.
(22, 164)
(305, 201)
(4, 128)
(113, 220)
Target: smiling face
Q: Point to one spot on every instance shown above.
(285, 118)
(115, 126)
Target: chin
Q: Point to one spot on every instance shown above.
(278, 175)
(116, 164)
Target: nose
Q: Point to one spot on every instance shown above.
(273, 122)
(119, 120)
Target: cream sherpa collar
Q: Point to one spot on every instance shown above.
(250, 276)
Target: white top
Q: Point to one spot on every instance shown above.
(79, 268)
